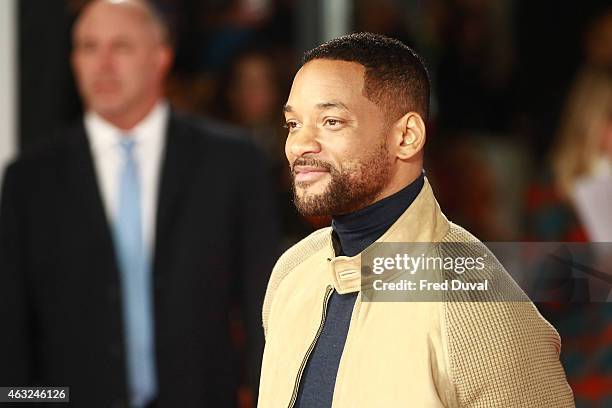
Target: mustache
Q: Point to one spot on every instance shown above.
(307, 161)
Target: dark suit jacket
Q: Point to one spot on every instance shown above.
(60, 303)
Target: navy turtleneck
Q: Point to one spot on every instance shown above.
(358, 230)
(355, 232)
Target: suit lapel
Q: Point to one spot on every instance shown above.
(177, 172)
(84, 199)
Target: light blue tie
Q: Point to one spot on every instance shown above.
(135, 283)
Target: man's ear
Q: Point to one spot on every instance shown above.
(410, 135)
(166, 59)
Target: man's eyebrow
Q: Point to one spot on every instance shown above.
(331, 104)
(321, 106)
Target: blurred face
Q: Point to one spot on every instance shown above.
(119, 59)
(337, 142)
(254, 94)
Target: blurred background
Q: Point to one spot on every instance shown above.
(521, 109)
(501, 72)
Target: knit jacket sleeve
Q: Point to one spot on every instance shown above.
(502, 352)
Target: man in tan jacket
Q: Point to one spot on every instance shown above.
(356, 131)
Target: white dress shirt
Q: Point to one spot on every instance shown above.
(149, 135)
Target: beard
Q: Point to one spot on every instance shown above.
(351, 188)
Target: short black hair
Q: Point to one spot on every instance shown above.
(395, 78)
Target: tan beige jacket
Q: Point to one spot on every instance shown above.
(407, 354)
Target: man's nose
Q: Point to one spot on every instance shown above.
(303, 142)
(105, 60)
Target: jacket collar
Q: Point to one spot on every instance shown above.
(423, 221)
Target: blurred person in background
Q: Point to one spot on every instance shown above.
(583, 149)
(582, 153)
(129, 241)
(251, 99)
(249, 96)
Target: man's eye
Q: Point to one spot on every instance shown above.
(86, 47)
(290, 125)
(332, 122)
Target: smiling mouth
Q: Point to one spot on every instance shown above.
(308, 173)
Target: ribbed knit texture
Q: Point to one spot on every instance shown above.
(480, 327)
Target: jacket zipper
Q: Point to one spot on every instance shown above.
(296, 387)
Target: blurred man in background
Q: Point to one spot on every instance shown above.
(128, 243)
